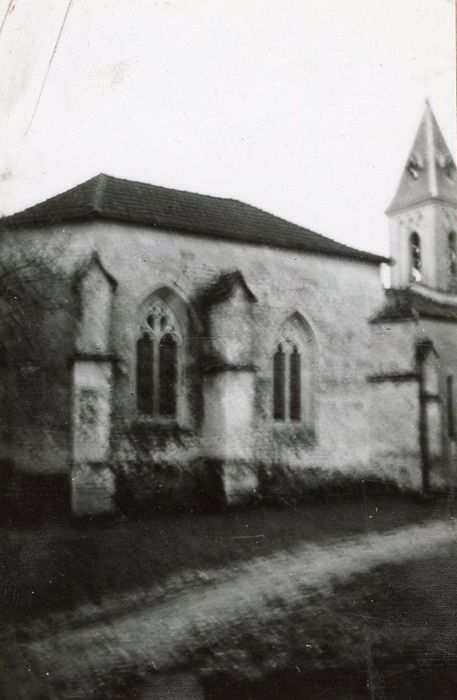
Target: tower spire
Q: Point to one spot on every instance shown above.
(430, 171)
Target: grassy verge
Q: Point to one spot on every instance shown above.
(365, 607)
(390, 633)
(50, 570)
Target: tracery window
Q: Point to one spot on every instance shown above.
(293, 373)
(415, 257)
(158, 362)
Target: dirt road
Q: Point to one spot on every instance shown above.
(163, 636)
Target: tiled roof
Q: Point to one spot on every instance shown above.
(108, 197)
(408, 305)
(430, 172)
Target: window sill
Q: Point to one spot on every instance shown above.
(159, 432)
(145, 419)
(156, 424)
(294, 433)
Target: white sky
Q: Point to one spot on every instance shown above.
(305, 108)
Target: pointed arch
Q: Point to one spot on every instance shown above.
(173, 300)
(294, 371)
(162, 329)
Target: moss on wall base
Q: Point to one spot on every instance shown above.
(149, 487)
(282, 485)
(154, 487)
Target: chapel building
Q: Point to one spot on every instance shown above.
(162, 347)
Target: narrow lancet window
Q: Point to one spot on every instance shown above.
(294, 373)
(295, 387)
(416, 257)
(145, 373)
(279, 380)
(168, 375)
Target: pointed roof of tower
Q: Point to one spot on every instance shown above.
(430, 171)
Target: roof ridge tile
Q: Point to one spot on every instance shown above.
(99, 192)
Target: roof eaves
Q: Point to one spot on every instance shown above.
(341, 246)
(97, 198)
(100, 213)
(27, 223)
(336, 252)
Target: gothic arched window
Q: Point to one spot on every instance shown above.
(158, 362)
(452, 258)
(415, 257)
(293, 372)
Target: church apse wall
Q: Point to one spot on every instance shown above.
(224, 333)
(329, 304)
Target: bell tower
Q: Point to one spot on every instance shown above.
(423, 214)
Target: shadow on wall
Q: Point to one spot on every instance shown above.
(162, 488)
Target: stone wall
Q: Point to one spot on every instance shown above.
(421, 220)
(396, 430)
(335, 296)
(444, 336)
(433, 222)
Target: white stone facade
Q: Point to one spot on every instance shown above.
(193, 363)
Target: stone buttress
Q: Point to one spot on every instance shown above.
(229, 375)
(92, 481)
